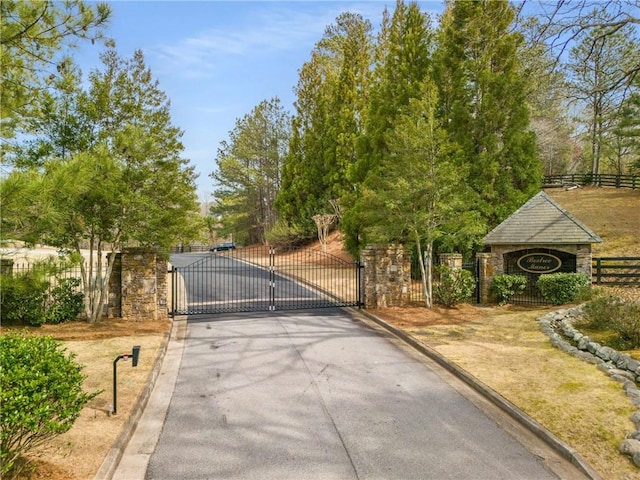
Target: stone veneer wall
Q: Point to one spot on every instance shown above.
(387, 276)
(138, 286)
(492, 264)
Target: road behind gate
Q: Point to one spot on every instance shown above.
(321, 395)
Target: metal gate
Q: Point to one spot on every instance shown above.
(262, 279)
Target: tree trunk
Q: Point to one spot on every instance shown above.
(425, 270)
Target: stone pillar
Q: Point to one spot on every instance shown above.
(114, 308)
(138, 286)
(584, 260)
(387, 276)
(451, 260)
(163, 288)
(486, 272)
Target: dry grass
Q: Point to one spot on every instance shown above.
(612, 213)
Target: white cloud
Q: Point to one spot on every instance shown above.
(267, 30)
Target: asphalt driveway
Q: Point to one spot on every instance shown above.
(321, 395)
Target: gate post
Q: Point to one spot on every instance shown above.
(485, 274)
(451, 260)
(387, 276)
(138, 287)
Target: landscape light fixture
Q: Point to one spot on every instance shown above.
(134, 355)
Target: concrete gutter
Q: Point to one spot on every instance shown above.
(566, 451)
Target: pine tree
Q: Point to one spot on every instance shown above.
(595, 85)
(128, 185)
(31, 38)
(249, 170)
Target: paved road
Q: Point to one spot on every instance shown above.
(320, 395)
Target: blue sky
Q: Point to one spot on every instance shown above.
(216, 60)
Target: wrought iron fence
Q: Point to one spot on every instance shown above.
(262, 278)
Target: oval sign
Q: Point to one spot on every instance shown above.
(539, 263)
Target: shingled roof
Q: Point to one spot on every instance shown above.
(541, 221)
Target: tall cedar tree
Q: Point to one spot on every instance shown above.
(483, 94)
(418, 192)
(332, 94)
(402, 63)
(248, 173)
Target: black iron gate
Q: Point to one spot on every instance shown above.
(262, 279)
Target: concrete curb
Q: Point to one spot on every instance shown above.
(525, 420)
(111, 461)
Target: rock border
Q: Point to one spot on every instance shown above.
(558, 326)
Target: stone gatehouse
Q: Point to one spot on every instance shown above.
(540, 237)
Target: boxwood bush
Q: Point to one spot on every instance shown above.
(506, 286)
(455, 286)
(41, 395)
(65, 301)
(22, 298)
(561, 288)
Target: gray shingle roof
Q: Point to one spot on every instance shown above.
(541, 220)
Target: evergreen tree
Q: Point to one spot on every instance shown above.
(628, 129)
(402, 65)
(483, 104)
(249, 173)
(60, 123)
(129, 187)
(594, 66)
(547, 100)
(332, 94)
(31, 39)
(418, 194)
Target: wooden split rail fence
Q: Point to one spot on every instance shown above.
(600, 180)
(616, 271)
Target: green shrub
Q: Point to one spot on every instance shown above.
(561, 288)
(455, 286)
(65, 302)
(22, 298)
(41, 395)
(627, 326)
(283, 235)
(506, 286)
(608, 312)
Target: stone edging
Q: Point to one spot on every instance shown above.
(620, 367)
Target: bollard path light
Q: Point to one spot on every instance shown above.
(134, 355)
